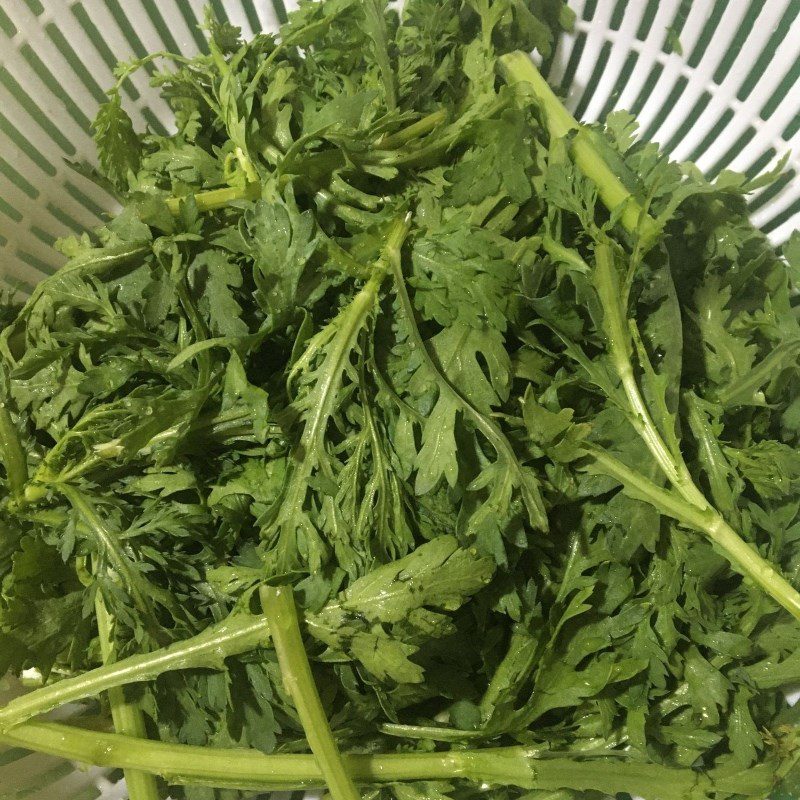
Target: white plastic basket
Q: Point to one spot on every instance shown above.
(715, 81)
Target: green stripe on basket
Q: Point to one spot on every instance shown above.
(782, 91)
(622, 80)
(762, 62)
(252, 15)
(88, 793)
(669, 105)
(741, 142)
(17, 285)
(647, 89)
(760, 164)
(691, 118)
(128, 32)
(161, 27)
(594, 79)
(65, 219)
(154, 122)
(33, 109)
(3, 243)
(572, 64)
(6, 25)
(19, 180)
(618, 14)
(100, 44)
(792, 128)
(647, 19)
(72, 58)
(9, 210)
(219, 10)
(772, 191)
(735, 47)
(782, 218)
(589, 9)
(707, 34)
(52, 83)
(193, 23)
(712, 135)
(43, 236)
(23, 142)
(280, 11)
(86, 201)
(32, 261)
(35, 6)
(675, 28)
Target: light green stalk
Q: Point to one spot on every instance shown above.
(518, 69)
(127, 716)
(687, 503)
(279, 606)
(500, 766)
(237, 634)
(12, 454)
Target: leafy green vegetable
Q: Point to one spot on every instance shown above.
(508, 404)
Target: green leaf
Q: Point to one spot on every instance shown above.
(118, 146)
(215, 279)
(282, 242)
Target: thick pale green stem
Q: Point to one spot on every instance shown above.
(240, 633)
(501, 766)
(618, 344)
(127, 716)
(705, 520)
(218, 198)
(214, 199)
(279, 606)
(12, 454)
(518, 68)
(689, 505)
(413, 131)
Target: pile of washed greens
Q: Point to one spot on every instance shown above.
(403, 436)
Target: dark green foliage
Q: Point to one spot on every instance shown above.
(351, 331)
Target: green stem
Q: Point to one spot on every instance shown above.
(213, 199)
(696, 511)
(279, 606)
(427, 152)
(239, 633)
(704, 520)
(518, 68)
(326, 201)
(667, 502)
(711, 457)
(413, 131)
(743, 390)
(500, 766)
(483, 423)
(618, 344)
(111, 549)
(199, 329)
(127, 716)
(434, 733)
(12, 454)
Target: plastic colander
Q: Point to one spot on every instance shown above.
(714, 81)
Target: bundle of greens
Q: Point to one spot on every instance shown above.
(403, 436)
